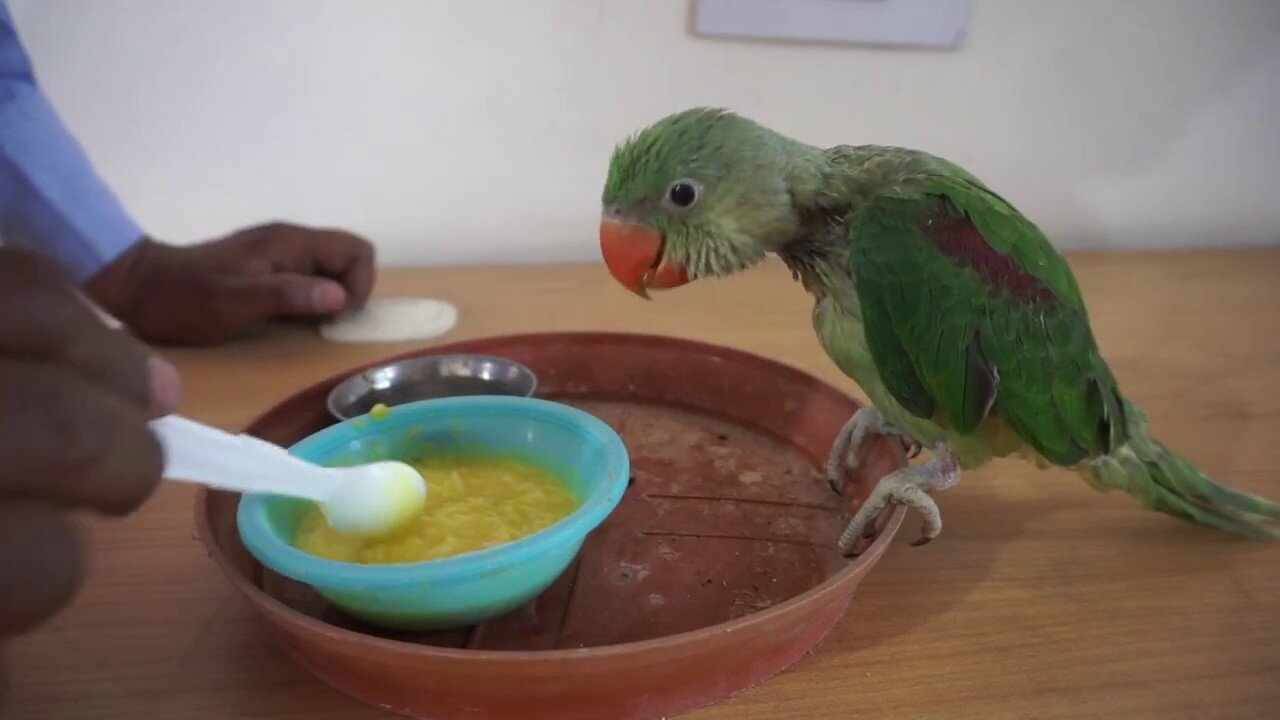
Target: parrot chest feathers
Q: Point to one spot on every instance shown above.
(819, 261)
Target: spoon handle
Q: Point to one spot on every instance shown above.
(198, 453)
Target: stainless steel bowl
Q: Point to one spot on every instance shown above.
(427, 377)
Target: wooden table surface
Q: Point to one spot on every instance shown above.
(1042, 599)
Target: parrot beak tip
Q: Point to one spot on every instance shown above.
(634, 254)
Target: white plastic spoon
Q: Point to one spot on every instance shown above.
(369, 499)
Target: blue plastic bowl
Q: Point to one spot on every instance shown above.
(464, 589)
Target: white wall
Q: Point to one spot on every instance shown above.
(479, 130)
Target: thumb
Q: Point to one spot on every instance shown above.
(289, 295)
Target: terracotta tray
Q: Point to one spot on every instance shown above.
(717, 571)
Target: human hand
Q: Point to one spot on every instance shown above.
(218, 290)
(75, 397)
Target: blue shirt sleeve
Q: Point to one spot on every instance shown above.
(51, 200)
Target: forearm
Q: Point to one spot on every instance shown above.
(51, 199)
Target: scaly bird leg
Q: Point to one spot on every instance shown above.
(844, 453)
(907, 486)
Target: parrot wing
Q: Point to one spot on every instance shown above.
(969, 310)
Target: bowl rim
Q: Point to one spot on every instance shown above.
(423, 359)
(282, 557)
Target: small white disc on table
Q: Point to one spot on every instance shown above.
(393, 320)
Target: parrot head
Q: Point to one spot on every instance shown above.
(702, 193)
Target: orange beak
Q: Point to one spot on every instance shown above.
(634, 256)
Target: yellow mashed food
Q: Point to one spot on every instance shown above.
(473, 502)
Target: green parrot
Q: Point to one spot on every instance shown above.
(949, 308)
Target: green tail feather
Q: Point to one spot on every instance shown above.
(1162, 480)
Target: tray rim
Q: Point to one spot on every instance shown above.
(888, 526)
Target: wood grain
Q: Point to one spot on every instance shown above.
(1041, 599)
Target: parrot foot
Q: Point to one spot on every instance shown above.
(907, 486)
(844, 453)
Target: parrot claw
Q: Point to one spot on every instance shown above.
(906, 486)
(922, 540)
(844, 458)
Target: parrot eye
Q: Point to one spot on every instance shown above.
(682, 193)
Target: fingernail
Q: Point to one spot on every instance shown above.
(166, 385)
(328, 297)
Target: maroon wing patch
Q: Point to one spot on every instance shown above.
(959, 239)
